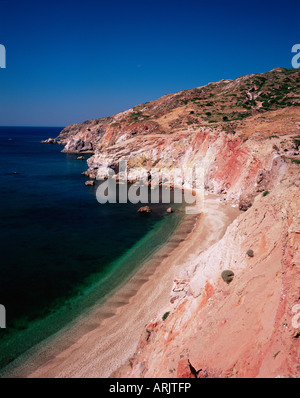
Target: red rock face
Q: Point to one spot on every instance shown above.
(231, 159)
(236, 168)
(184, 370)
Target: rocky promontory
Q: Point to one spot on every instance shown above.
(240, 131)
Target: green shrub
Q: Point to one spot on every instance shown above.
(250, 253)
(227, 275)
(265, 193)
(265, 104)
(297, 161)
(297, 142)
(165, 315)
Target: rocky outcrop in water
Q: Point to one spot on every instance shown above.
(144, 209)
(90, 183)
(49, 141)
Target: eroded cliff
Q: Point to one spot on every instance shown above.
(247, 328)
(236, 130)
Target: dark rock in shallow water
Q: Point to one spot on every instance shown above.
(92, 174)
(90, 183)
(144, 209)
(13, 173)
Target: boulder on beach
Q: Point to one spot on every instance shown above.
(90, 183)
(144, 209)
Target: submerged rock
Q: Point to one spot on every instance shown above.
(13, 173)
(144, 209)
(90, 183)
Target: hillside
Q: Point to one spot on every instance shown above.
(222, 104)
(244, 328)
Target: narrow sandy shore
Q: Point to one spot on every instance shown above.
(113, 331)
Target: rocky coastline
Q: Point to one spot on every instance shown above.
(250, 158)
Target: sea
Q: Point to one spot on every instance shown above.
(61, 250)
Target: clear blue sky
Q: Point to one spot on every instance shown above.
(70, 60)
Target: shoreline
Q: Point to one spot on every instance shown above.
(112, 331)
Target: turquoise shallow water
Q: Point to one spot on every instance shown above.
(61, 251)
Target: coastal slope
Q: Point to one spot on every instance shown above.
(247, 328)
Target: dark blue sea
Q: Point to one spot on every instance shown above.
(57, 242)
